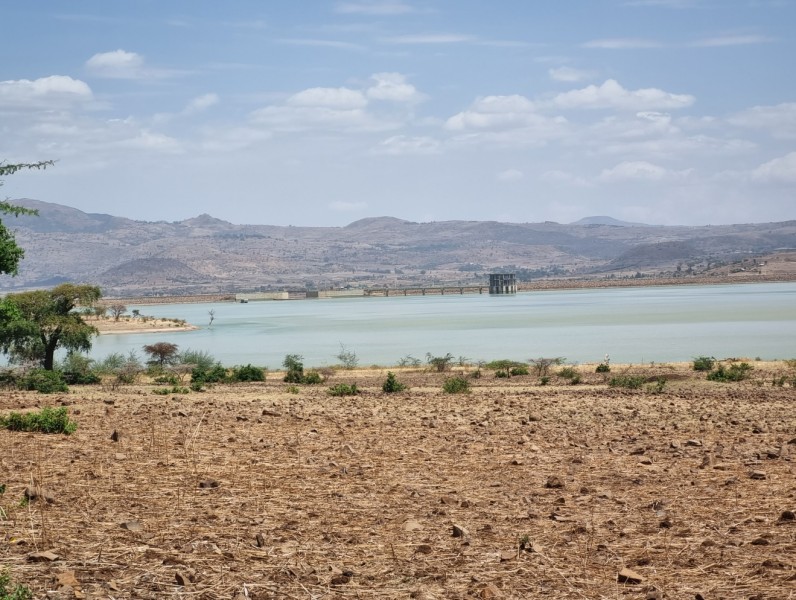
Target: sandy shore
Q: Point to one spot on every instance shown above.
(127, 325)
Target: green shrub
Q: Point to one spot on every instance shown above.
(312, 378)
(658, 386)
(197, 358)
(247, 373)
(456, 385)
(43, 381)
(76, 369)
(294, 368)
(18, 592)
(500, 374)
(168, 378)
(409, 361)
(631, 382)
(603, 368)
(704, 363)
(392, 385)
(567, 373)
(215, 374)
(735, 372)
(347, 357)
(47, 420)
(439, 363)
(518, 370)
(292, 389)
(343, 389)
(575, 379)
(504, 364)
(544, 380)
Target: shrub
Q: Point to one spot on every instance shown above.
(704, 363)
(215, 374)
(44, 382)
(735, 372)
(658, 386)
(518, 370)
(502, 374)
(347, 357)
(17, 592)
(542, 365)
(343, 389)
(76, 369)
(575, 379)
(439, 363)
(168, 378)
(544, 380)
(292, 389)
(110, 364)
(603, 368)
(456, 385)
(568, 373)
(197, 358)
(631, 382)
(392, 385)
(247, 373)
(172, 390)
(294, 368)
(312, 378)
(47, 420)
(409, 361)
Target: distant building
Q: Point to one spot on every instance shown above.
(502, 283)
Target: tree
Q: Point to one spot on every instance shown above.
(34, 324)
(162, 353)
(117, 310)
(10, 253)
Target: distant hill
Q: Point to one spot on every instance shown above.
(208, 255)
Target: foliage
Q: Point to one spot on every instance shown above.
(456, 385)
(409, 361)
(518, 370)
(347, 357)
(631, 382)
(117, 310)
(294, 368)
(17, 592)
(503, 364)
(567, 373)
(247, 373)
(110, 364)
(292, 389)
(43, 381)
(162, 353)
(544, 380)
(392, 385)
(10, 253)
(734, 372)
(343, 389)
(603, 368)
(198, 358)
(172, 390)
(312, 378)
(704, 363)
(214, 374)
(168, 378)
(541, 365)
(658, 386)
(439, 363)
(34, 324)
(47, 420)
(76, 369)
(129, 370)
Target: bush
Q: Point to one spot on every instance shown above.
(247, 373)
(735, 372)
(44, 382)
(630, 382)
(544, 380)
(168, 378)
(456, 385)
(603, 368)
(312, 378)
(518, 370)
(439, 363)
(110, 364)
(47, 420)
(568, 373)
(215, 374)
(347, 357)
(18, 592)
(343, 389)
(502, 374)
(704, 363)
(658, 386)
(172, 390)
(294, 368)
(542, 365)
(392, 385)
(76, 369)
(409, 361)
(197, 358)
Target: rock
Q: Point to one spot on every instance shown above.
(693, 443)
(423, 549)
(761, 541)
(490, 592)
(181, 579)
(109, 401)
(132, 526)
(534, 418)
(675, 445)
(271, 413)
(554, 482)
(340, 580)
(757, 475)
(208, 484)
(37, 492)
(787, 516)
(629, 576)
(115, 436)
(120, 456)
(412, 526)
(46, 556)
(259, 539)
(460, 532)
(507, 556)
(516, 462)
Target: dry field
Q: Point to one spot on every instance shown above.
(251, 491)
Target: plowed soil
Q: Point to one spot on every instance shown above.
(515, 490)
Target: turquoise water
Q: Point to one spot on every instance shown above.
(632, 325)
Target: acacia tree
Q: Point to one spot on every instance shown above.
(34, 324)
(162, 353)
(10, 253)
(117, 310)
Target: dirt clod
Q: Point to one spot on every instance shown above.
(629, 576)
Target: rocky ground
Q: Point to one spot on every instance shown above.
(515, 490)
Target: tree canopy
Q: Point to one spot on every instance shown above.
(10, 253)
(34, 324)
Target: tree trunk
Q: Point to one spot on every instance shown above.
(49, 353)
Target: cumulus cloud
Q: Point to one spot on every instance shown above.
(778, 170)
(493, 112)
(118, 64)
(779, 120)
(201, 103)
(639, 170)
(332, 98)
(393, 87)
(54, 91)
(570, 74)
(612, 95)
(405, 144)
(510, 175)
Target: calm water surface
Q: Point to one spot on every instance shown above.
(633, 325)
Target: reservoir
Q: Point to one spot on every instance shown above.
(632, 325)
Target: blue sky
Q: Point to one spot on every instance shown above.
(322, 112)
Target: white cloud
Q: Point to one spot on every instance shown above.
(622, 44)
(640, 170)
(510, 175)
(374, 8)
(320, 43)
(55, 91)
(730, 40)
(570, 74)
(405, 145)
(393, 87)
(118, 64)
(779, 120)
(431, 38)
(558, 177)
(778, 170)
(332, 98)
(201, 103)
(495, 112)
(147, 140)
(342, 206)
(612, 95)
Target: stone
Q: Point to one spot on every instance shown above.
(761, 541)
(787, 516)
(629, 576)
(132, 526)
(259, 539)
(46, 556)
(693, 443)
(459, 532)
(115, 436)
(554, 482)
(490, 592)
(181, 579)
(36, 492)
(412, 526)
(757, 475)
(340, 580)
(208, 484)
(423, 549)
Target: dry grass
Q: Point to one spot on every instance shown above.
(323, 497)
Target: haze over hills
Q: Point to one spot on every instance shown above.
(208, 255)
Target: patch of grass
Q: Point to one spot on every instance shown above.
(658, 386)
(518, 370)
(292, 389)
(704, 363)
(47, 420)
(392, 385)
(630, 382)
(343, 389)
(734, 372)
(456, 385)
(17, 592)
(603, 368)
(172, 390)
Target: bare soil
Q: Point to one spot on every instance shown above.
(515, 490)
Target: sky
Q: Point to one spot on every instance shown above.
(323, 112)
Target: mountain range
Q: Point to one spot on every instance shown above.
(208, 255)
